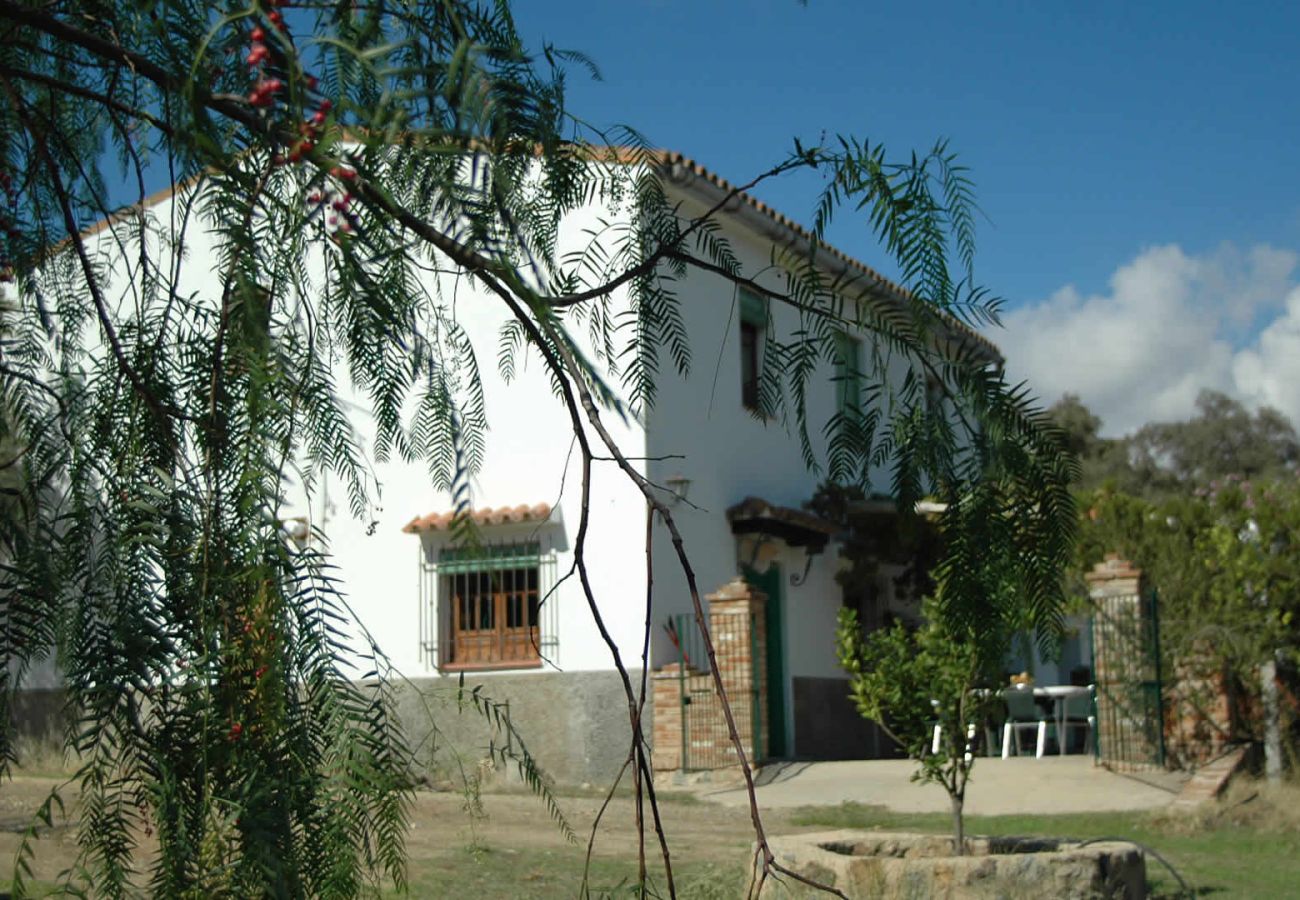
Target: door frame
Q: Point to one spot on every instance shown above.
(777, 744)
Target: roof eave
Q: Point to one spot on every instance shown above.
(686, 175)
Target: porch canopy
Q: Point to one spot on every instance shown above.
(797, 527)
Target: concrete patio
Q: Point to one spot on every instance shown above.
(1053, 784)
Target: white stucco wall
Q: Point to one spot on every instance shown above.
(530, 459)
(725, 452)
(728, 455)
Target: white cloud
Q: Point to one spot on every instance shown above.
(1169, 325)
(1269, 371)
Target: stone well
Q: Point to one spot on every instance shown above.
(892, 865)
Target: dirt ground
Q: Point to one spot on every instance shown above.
(507, 847)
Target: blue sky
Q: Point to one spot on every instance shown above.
(1136, 163)
(1117, 149)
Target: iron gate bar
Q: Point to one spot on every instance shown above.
(705, 738)
(756, 713)
(1160, 684)
(1127, 671)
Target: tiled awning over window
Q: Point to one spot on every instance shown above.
(502, 515)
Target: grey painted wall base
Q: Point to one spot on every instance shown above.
(38, 714)
(828, 726)
(39, 723)
(574, 724)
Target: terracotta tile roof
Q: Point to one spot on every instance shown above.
(502, 515)
(671, 162)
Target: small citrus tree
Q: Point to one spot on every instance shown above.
(908, 680)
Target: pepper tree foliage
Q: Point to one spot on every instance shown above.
(351, 167)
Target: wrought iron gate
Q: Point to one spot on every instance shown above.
(1130, 733)
(705, 742)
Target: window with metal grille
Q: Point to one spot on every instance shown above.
(488, 607)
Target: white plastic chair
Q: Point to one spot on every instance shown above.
(1023, 714)
(1078, 714)
(936, 738)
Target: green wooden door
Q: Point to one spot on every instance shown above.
(769, 583)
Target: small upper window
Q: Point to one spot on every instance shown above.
(935, 393)
(848, 373)
(753, 326)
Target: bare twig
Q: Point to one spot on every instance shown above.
(566, 385)
(572, 370)
(584, 890)
(645, 673)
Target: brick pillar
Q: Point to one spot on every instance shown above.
(666, 702)
(736, 625)
(736, 620)
(1121, 665)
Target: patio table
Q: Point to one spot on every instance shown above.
(1058, 694)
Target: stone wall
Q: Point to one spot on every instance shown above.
(1198, 713)
(901, 866)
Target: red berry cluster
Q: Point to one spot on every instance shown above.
(259, 54)
(333, 203)
(267, 89)
(252, 640)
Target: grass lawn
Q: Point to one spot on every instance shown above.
(542, 874)
(1247, 846)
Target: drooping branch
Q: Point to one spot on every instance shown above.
(76, 90)
(163, 413)
(667, 249)
(481, 230)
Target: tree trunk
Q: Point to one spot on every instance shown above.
(958, 825)
(1272, 733)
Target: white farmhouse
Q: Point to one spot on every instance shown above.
(503, 615)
